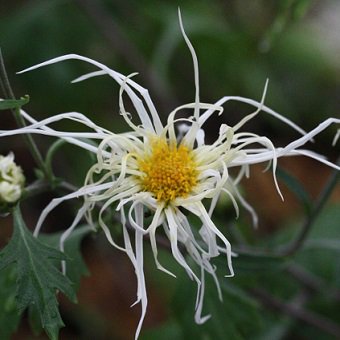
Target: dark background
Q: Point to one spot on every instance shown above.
(239, 45)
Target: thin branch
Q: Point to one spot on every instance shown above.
(112, 32)
(40, 186)
(296, 244)
(67, 186)
(313, 282)
(8, 92)
(295, 310)
(2, 85)
(36, 188)
(5, 85)
(292, 247)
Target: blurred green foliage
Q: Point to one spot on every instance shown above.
(228, 37)
(239, 45)
(240, 315)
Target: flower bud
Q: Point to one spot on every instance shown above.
(11, 180)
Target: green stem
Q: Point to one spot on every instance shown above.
(292, 247)
(7, 89)
(50, 154)
(5, 85)
(41, 186)
(296, 244)
(35, 188)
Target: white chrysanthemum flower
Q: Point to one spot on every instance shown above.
(11, 179)
(152, 168)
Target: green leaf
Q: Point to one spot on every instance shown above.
(38, 279)
(320, 251)
(13, 103)
(231, 289)
(167, 331)
(327, 244)
(237, 317)
(288, 12)
(254, 263)
(277, 329)
(34, 320)
(296, 188)
(75, 265)
(9, 316)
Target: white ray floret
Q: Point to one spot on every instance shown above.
(156, 169)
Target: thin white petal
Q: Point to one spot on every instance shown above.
(56, 201)
(119, 78)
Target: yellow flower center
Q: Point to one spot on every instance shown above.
(169, 170)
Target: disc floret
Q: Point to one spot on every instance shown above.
(168, 170)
